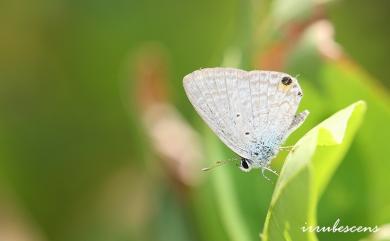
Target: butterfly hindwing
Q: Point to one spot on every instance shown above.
(243, 107)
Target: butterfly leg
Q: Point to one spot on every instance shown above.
(262, 172)
(268, 169)
(286, 148)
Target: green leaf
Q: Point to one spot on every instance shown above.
(382, 234)
(370, 154)
(306, 173)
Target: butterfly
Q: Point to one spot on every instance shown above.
(252, 112)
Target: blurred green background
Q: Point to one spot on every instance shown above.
(99, 142)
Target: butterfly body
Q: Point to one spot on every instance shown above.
(251, 112)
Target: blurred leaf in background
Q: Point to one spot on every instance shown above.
(82, 158)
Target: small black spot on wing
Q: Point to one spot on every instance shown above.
(286, 80)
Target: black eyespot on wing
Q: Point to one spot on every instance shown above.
(300, 93)
(256, 153)
(246, 133)
(244, 164)
(286, 80)
(238, 115)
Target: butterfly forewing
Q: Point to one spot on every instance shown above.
(198, 88)
(242, 107)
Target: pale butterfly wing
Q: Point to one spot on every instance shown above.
(213, 97)
(247, 110)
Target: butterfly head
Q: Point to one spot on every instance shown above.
(245, 165)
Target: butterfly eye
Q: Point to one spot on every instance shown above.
(244, 164)
(286, 80)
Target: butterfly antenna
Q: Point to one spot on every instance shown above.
(218, 163)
